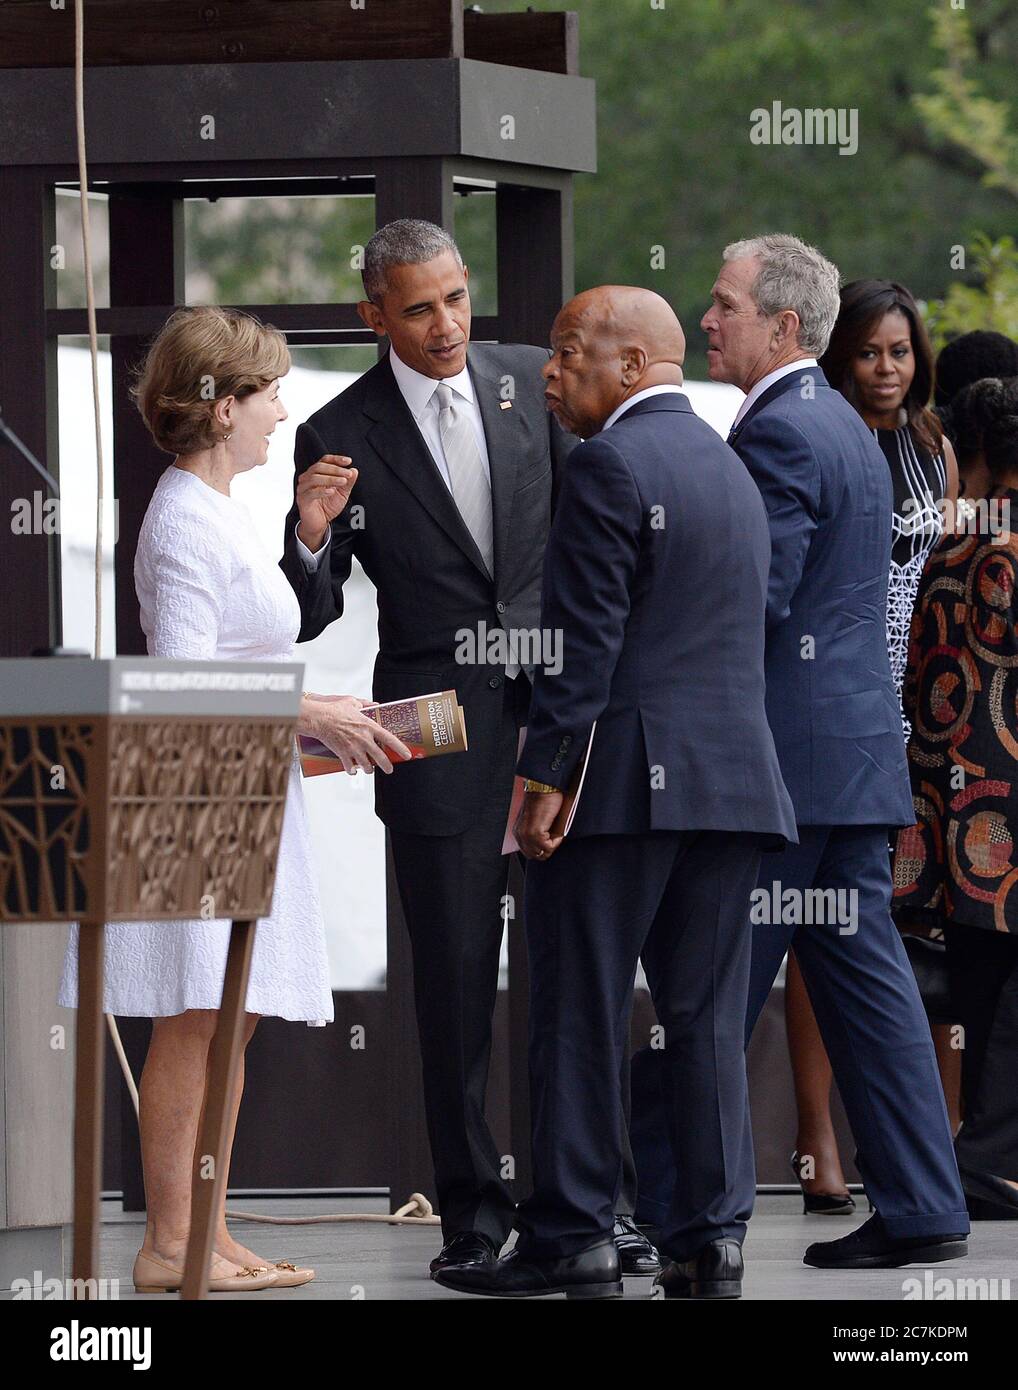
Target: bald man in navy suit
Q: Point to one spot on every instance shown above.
(655, 574)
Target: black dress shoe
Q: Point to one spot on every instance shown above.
(636, 1254)
(593, 1273)
(988, 1197)
(870, 1247)
(468, 1248)
(822, 1203)
(715, 1271)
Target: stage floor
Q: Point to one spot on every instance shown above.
(374, 1261)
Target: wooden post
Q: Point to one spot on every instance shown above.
(146, 268)
(535, 259)
(30, 563)
(224, 1064)
(88, 1108)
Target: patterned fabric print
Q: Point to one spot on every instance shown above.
(961, 693)
(920, 484)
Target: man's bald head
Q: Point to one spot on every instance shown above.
(609, 343)
(626, 315)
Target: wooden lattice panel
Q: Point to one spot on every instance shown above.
(44, 828)
(185, 813)
(196, 810)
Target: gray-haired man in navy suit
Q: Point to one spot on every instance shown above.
(837, 727)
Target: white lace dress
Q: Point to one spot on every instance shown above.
(208, 590)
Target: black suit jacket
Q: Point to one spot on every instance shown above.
(432, 586)
(656, 572)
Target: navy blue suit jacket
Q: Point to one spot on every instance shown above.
(830, 696)
(656, 575)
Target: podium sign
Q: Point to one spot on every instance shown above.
(138, 789)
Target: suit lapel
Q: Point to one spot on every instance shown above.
(400, 445)
(507, 434)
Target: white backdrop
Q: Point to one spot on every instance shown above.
(348, 840)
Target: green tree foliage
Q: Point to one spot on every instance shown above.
(959, 110)
(677, 83)
(992, 303)
(960, 113)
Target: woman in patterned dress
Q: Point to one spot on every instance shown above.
(958, 866)
(880, 359)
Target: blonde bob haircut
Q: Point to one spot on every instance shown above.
(200, 356)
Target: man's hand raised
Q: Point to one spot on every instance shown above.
(323, 490)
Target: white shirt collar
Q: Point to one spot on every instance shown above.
(418, 389)
(643, 395)
(767, 381)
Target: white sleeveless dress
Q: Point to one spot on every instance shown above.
(209, 590)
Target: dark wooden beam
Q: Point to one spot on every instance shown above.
(141, 317)
(124, 32)
(29, 563)
(532, 288)
(548, 42)
(336, 323)
(146, 269)
(305, 117)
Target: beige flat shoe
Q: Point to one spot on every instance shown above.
(152, 1275)
(288, 1276)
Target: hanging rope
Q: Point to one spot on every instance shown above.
(93, 341)
(93, 352)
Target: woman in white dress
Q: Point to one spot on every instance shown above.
(209, 394)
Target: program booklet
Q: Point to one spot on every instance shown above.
(429, 725)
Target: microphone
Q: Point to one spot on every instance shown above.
(8, 434)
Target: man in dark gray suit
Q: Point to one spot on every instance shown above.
(436, 470)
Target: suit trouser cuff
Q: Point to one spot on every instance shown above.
(940, 1223)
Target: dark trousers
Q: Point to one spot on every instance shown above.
(681, 900)
(451, 888)
(872, 1022)
(983, 970)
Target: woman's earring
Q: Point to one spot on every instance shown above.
(227, 436)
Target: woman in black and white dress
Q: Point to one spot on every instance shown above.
(880, 359)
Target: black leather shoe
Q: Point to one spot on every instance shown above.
(636, 1254)
(821, 1203)
(468, 1248)
(870, 1247)
(715, 1271)
(593, 1273)
(988, 1197)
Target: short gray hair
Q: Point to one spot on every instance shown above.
(794, 276)
(407, 241)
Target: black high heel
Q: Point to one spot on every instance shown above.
(822, 1203)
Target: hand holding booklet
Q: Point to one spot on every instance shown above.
(570, 797)
(429, 725)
